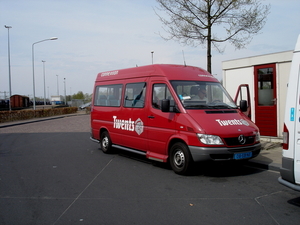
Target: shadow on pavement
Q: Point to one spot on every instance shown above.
(209, 169)
(295, 202)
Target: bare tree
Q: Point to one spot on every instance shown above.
(212, 22)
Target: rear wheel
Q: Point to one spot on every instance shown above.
(180, 158)
(106, 144)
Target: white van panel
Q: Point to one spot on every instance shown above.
(290, 170)
(297, 122)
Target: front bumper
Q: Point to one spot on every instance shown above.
(289, 184)
(221, 153)
(288, 174)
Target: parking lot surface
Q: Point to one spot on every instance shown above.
(51, 173)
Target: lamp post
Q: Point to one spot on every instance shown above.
(57, 85)
(44, 82)
(152, 56)
(48, 94)
(71, 94)
(49, 39)
(9, 72)
(65, 91)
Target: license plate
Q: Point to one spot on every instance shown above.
(243, 155)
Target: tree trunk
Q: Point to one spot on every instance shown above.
(209, 53)
(209, 25)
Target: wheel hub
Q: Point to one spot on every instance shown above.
(179, 159)
(105, 142)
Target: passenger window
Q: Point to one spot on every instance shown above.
(160, 92)
(135, 95)
(108, 95)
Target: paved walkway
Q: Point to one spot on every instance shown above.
(269, 157)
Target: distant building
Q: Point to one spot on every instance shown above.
(267, 77)
(57, 100)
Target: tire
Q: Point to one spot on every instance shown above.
(180, 158)
(106, 144)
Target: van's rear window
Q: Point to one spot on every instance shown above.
(108, 95)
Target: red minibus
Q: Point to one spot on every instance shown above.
(171, 113)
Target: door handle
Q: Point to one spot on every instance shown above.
(151, 117)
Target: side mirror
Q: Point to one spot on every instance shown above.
(243, 105)
(165, 105)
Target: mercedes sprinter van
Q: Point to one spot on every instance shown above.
(171, 113)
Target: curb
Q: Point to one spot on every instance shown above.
(21, 122)
(263, 165)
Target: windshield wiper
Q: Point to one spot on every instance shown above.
(196, 106)
(223, 106)
(201, 106)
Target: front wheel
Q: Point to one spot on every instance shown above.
(106, 144)
(180, 158)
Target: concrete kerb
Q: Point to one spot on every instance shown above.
(34, 120)
(270, 156)
(268, 159)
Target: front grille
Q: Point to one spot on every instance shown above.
(235, 141)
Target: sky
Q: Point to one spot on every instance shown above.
(102, 35)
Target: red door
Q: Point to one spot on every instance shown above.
(265, 99)
(161, 125)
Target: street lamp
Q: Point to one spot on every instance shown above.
(44, 82)
(152, 56)
(9, 72)
(57, 85)
(49, 39)
(48, 93)
(65, 91)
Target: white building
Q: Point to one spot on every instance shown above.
(267, 77)
(56, 100)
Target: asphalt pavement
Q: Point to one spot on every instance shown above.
(269, 157)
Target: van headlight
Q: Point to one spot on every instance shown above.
(257, 137)
(210, 139)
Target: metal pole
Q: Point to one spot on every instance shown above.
(9, 71)
(49, 39)
(57, 86)
(71, 94)
(152, 56)
(65, 91)
(48, 94)
(44, 82)
(33, 99)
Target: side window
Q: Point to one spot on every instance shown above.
(135, 95)
(108, 95)
(216, 93)
(160, 92)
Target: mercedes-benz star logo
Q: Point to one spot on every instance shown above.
(242, 139)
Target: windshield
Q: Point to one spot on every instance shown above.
(203, 95)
